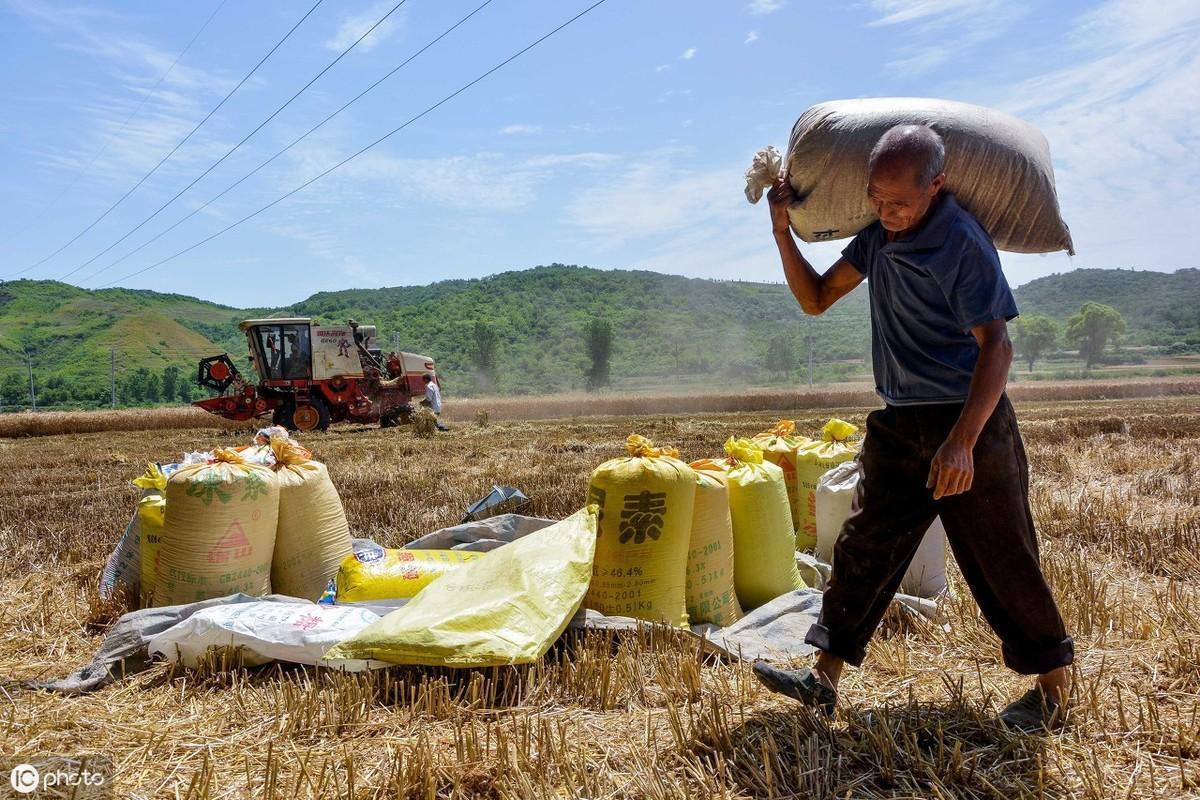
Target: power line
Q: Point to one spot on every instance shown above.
(293, 143)
(128, 119)
(245, 139)
(378, 141)
(182, 141)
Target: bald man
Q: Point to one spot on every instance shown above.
(945, 444)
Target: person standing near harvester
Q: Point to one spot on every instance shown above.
(433, 399)
(946, 443)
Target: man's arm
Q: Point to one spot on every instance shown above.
(816, 293)
(953, 467)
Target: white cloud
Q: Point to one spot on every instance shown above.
(1121, 124)
(896, 12)
(127, 133)
(519, 129)
(662, 68)
(497, 182)
(652, 197)
(760, 7)
(938, 31)
(353, 26)
(688, 54)
(752, 36)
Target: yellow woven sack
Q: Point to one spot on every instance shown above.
(505, 609)
(711, 596)
(312, 537)
(219, 531)
(152, 480)
(763, 543)
(815, 459)
(781, 446)
(378, 574)
(645, 505)
(150, 513)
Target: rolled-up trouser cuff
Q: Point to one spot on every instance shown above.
(1028, 663)
(819, 637)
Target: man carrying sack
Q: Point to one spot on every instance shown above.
(945, 444)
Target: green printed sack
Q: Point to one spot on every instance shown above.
(218, 532)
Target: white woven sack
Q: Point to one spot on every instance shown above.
(926, 575)
(997, 166)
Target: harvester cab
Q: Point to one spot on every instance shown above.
(309, 375)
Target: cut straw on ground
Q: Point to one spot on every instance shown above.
(1116, 495)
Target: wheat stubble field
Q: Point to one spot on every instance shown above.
(1116, 494)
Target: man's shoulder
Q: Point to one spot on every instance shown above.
(965, 232)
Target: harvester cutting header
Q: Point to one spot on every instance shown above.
(312, 374)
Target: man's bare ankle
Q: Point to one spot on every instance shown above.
(828, 670)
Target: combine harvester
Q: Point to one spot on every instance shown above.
(311, 375)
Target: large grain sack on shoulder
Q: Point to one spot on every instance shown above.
(646, 505)
(312, 537)
(219, 531)
(837, 500)
(711, 595)
(814, 460)
(764, 557)
(998, 167)
(781, 446)
(373, 573)
(507, 608)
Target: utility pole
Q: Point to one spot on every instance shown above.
(29, 363)
(112, 374)
(395, 341)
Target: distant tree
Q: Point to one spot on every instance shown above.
(153, 387)
(1093, 328)
(780, 356)
(599, 347)
(14, 389)
(184, 390)
(483, 350)
(170, 383)
(1035, 335)
(135, 386)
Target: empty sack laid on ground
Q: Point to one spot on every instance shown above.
(507, 608)
(373, 573)
(298, 633)
(998, 167)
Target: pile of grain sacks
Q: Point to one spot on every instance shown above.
(704, 542)
(257, 520)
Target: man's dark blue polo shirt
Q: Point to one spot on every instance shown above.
(928, 291)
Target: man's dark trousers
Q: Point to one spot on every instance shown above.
(989, 527)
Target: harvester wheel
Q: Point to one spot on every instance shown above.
(310, 416)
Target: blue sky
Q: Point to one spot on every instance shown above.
(618, 143)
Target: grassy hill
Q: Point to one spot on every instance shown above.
(1161, 308)
(668, 330)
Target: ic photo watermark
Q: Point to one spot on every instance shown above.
(87, 777)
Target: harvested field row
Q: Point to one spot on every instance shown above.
(567, 406)
(1115, 494)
